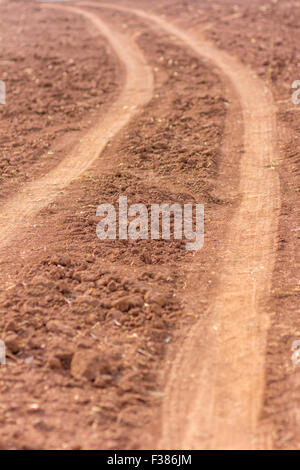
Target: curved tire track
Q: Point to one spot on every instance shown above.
(18, 211)
(215, 389)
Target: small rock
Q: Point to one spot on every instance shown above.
(34, 343)
(85, 343)
(64, 261)
(89, 364)
(41, 425)
(12, 343)
(103, 381)
(91, 319)
(114, 314)
(56, 326)
(89, 277)
(65, 358)
(54, 363)
(112, 286)
(146, 258)
(126, 303)
(64, 288)
(157, 298)
(11, 326)
(93, 220)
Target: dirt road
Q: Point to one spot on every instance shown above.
(216, 404)
(213, 385)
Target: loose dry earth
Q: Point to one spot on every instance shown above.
(143, 344)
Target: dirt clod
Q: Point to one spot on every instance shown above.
(89, 364)
(126, 303)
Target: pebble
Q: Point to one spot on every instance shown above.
(126, 303)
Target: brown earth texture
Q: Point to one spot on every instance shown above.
(139, 343)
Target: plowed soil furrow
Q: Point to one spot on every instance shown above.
(216, 403)
(18, 211)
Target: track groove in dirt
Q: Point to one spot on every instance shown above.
(217, 404)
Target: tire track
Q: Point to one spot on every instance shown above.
(215, 388)
(17, 213)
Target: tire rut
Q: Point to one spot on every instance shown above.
(18, 212)
(215, 388)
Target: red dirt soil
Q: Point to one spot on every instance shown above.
(92, 327)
